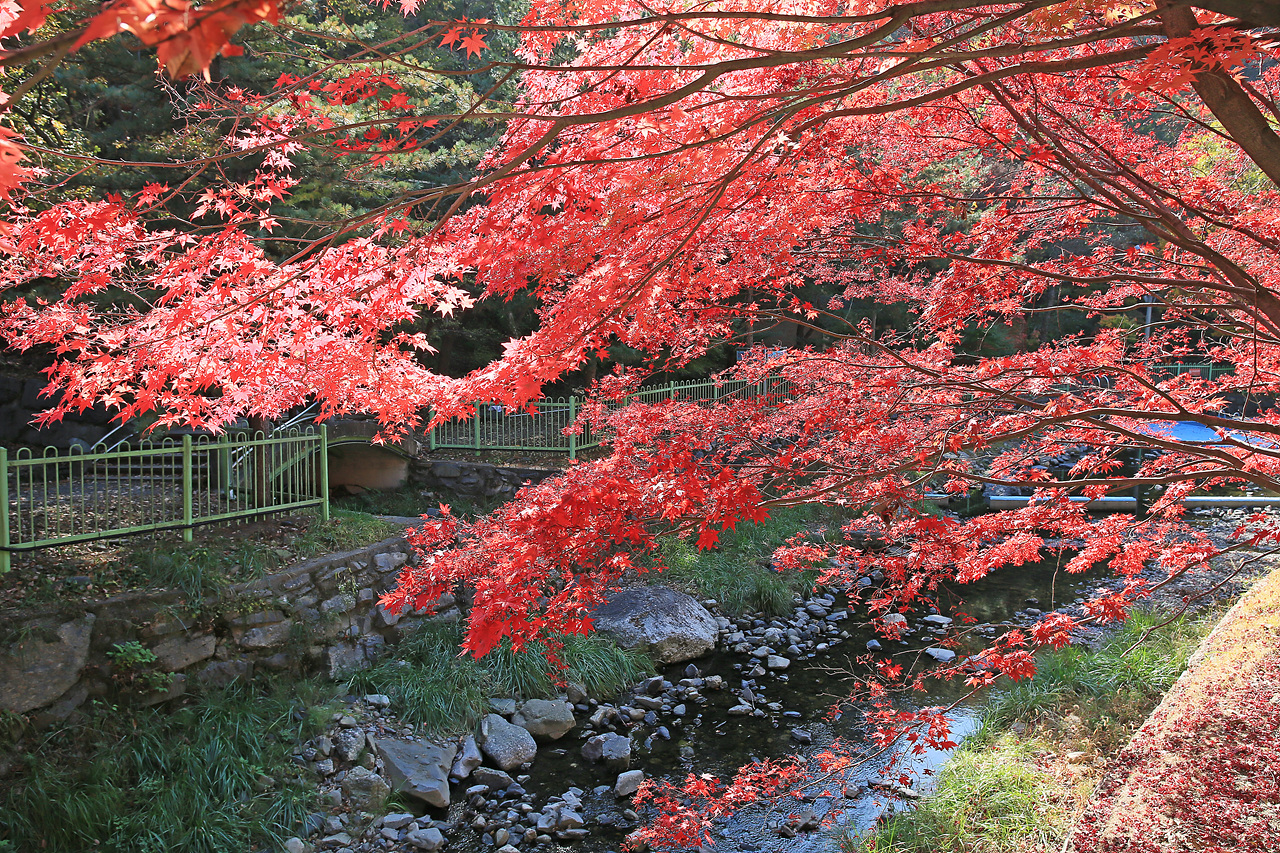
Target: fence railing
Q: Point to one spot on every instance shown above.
(60, 497)
(1199, 370)
(545, 424)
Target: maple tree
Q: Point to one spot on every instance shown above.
(670, 172)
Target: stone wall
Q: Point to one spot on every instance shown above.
(318, 615)
(20, 400)
(473, 478)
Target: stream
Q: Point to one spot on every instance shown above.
(707, 740)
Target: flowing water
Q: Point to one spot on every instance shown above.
(709, 741)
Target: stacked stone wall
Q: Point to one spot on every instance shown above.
(319, 615)
(477, 479)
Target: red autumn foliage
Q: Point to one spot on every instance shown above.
(684, 175)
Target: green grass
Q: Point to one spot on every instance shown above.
(151, 781)
(430, 684)
(986, 800)
(737, 573)
(1108, 689)
(992, 795)
(204, 569)
(345, 531)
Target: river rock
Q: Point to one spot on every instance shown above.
(628, 783)
(505, 744)
(777, 662)
(935, 619)
(613, 749)
(426, 839)
(365, 790)
(494, 780)
(545, 719)
(419, 768)
(44, 664)
(669, 625)
(468, 759)
(941, 655)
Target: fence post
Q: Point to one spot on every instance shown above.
(324, 472)
(431, 433)
(573, 416)
(477, 430)
(186, 488)
(4, 510)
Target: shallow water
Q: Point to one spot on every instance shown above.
(709, 741)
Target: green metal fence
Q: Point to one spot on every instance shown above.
(59, 497)
(545, 424)
(1198, 370)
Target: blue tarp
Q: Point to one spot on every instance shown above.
(1190, 432)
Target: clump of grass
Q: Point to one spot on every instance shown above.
(1110, 689)
(430, 683)
(989, 799)
(147, 781)
(344, 531)
(737, 573)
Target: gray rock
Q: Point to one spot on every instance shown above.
(628, 783)
(941, 655)
(874, 646)
(419, 768)
(502, 705)
(296, 845)
(365, 790)
(613, 749)
(506, 745)
(469, 758)
(545, 719)
(220, 673)
(397, 820)
(935, 619)
(494, 780)
(426, 839)
(45, 664)
(669, 625)
(777, 662)
(349, 743)
(181, 651)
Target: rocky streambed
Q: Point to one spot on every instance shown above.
(560, 773)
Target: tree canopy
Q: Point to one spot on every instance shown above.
(670, 175)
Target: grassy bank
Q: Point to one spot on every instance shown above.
(219, 556)
(213, 776)
(1019, 784)
(430, 684)
(737, 573)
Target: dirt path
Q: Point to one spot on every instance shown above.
(1203, 773)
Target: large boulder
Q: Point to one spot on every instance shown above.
(545, 719)
(419, 768)
(669, 625)
(506, 745)
(43, 664)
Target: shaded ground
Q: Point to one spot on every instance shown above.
(218, 555)
(1203, 772)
